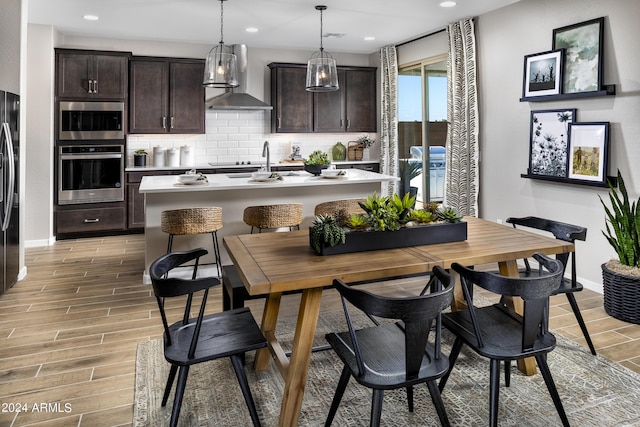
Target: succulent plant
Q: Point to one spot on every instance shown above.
(357, 222)
(448, 214)
(326, 230)
(402, 205)
(318, 157)
(422, 216)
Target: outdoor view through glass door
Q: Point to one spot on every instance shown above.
(422, 129)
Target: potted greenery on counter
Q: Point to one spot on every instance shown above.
(621, 277)
(394, 216)
(317, 161)
(140, 157)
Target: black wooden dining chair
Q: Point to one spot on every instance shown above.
(498, 333)
(569, 285)
(390, 355)
(203, 338)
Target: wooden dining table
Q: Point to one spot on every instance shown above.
(273, 263)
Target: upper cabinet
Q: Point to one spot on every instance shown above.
(166, 95)
(84, 74)
(352, 108)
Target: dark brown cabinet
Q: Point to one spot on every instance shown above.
(87, 221)
(166, 96)
(352, 108)
(292, 104)
(82, 74)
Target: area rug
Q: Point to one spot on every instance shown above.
(595, 391)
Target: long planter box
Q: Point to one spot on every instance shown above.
(359, 241)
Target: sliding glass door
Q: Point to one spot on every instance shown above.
(422, 129)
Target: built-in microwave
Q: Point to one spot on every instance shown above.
(91, 120)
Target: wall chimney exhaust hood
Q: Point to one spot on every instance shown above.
(238, 98)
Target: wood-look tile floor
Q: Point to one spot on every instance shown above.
(69, 330)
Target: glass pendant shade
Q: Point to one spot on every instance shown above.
(322, 73)
(221, 68)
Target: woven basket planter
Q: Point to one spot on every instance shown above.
(355, 150)
(621, 295)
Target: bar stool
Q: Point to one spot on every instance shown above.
(273, 216)
(351, 206)
(261, 217)
(193, 221)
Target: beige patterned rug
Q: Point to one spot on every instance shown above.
(595, 391)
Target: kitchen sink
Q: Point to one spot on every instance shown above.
(239, 175)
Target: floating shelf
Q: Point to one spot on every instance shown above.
(608, 90)
(612, 179)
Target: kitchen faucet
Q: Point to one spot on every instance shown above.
(265, 153)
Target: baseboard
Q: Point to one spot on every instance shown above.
(39, 243)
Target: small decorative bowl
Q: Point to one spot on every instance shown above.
(315, 169)
(333, 172)
(188, 177)
(260, 175)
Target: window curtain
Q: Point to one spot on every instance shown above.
(461, 175)
(389, 113)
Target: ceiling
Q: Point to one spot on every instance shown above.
(291, 24)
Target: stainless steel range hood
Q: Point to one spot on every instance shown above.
(238, 98)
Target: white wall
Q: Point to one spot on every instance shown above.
(38, 146)
(526, 27)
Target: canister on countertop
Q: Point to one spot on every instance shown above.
(187, 156)
(158, 156)
(173, 157)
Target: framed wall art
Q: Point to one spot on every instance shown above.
(588, 151)
(583, 46)
(542, 74)
(548, 142)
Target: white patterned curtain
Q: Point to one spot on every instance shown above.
(461, 179)
(389, 112)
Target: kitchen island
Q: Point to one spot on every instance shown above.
(233, 193)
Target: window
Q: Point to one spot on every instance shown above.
(422, 110)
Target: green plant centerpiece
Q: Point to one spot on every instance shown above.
(317, 161)
(387, 222)
(621, 277)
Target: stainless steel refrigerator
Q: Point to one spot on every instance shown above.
(9, 200)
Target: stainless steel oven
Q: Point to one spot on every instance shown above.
(90, 173)
(91, 120)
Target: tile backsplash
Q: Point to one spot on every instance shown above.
(233, 135)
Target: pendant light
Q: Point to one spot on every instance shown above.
(322, 74)
(221, 67)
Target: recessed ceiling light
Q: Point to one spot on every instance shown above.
(447, 4)
(91, 17)
(251, 30)
(369, 38)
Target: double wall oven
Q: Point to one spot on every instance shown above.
(90, 152)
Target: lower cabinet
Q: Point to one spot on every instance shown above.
(371, 167)
(79, 221)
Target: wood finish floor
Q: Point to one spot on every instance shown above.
(68, 332)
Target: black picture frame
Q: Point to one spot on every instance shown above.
(542, 75)
(583, 55)
(589, 151)
(549, 141)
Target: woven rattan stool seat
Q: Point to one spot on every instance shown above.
(351, 206)
(191, 220)
(273, 216)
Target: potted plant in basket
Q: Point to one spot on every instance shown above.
(317, 161)
(621, 278)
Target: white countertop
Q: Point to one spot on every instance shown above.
(238, 181)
